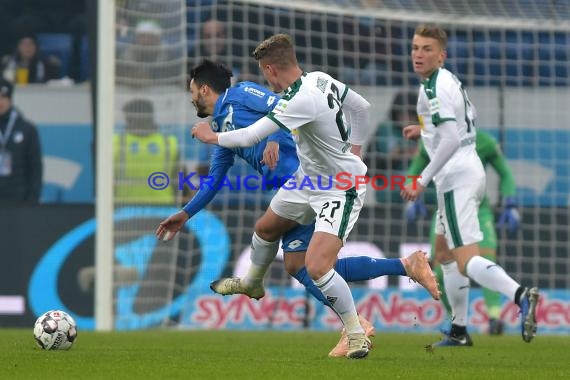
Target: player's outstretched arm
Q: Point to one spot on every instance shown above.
(243, 137)
(168, 228)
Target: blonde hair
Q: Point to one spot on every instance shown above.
(276, 50)
(433, 31)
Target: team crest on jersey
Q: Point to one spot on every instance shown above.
(322, 84)
(215, 126)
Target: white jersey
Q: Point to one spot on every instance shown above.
(312, 110)
(441, 99)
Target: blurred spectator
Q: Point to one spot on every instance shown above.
(393, 152)
(147, 59)
(45, 17)
(364, 59)
(27, 66)
(376, 70)
(214, 40)
(389, 152)
(139, 151)
(214, 46)
(20, 153)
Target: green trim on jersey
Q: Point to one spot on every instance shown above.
(293, 89)
(343, 96)
(271, 116)
(429, 89)
(290, 92)
(486, 223)
(452, 223)
(350, 196)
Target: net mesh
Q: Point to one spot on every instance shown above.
(512, 57)
(516, 72)
(151, 45)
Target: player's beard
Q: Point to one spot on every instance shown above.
(200, 106)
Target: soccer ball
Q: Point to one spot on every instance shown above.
(55, 330)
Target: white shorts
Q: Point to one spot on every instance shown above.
(336, 211)
(457, 215)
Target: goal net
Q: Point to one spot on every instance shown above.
(512, 57)
(148, 152)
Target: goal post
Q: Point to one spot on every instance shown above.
(105, 105)
(141, 120)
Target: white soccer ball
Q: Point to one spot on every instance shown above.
(55, 330)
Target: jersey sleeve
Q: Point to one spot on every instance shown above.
(249, 136)
(277, 136)
(291, 113)
(448, 144)
(356, 109)
(222, 160)
(441, 100)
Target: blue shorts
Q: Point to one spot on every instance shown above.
(298, 238)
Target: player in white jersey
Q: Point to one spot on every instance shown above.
(446, 127)
(312, 109)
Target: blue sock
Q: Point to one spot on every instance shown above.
(363, 268)
(303, 277)
(359, 268)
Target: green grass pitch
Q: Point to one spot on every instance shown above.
(172, 354)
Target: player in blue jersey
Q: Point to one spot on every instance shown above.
(238, 107)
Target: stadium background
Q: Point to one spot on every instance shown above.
(512, 56)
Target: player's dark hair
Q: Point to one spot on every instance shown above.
(212, 74)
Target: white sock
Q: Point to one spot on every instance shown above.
(262, 255)
(491, 276)
(337, 292)
(457, 290)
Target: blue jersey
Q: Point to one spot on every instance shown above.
(239, 107)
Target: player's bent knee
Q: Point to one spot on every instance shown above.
(315, 272)
(294, 262)
(464, 254)
(271, 227)
(266, 231)
(443, 256)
